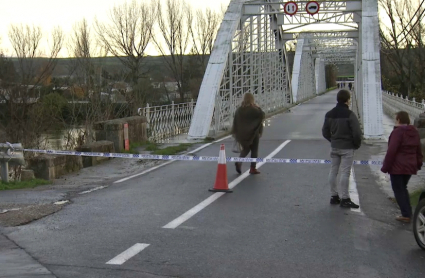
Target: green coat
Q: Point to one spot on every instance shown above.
(247, 124)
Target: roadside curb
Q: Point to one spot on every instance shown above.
(16, 262)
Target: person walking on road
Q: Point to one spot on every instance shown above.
(247, 130)
(342, 129)
(350, 86)
(403, 159)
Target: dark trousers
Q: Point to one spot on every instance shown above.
(253, 148)
(399, 184)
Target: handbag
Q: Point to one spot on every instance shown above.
(236, 147)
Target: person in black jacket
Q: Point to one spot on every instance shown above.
(342, 129)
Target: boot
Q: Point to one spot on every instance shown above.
(403, 219)
(254, 171)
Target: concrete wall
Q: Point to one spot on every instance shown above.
(109, 138)
(98, 147)
(113, 131)
(50, 167)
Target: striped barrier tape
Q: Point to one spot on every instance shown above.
(199, 158)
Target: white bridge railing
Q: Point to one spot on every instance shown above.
(166, 121)
(393, 103)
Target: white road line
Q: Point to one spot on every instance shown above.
(128, 254)
(354, 195)
(92, 190)
(169, 162)
(187, 215)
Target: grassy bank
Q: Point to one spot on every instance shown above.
(22, 184)
(414, 198)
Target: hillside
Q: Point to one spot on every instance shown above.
(152, 65)
(110, 64)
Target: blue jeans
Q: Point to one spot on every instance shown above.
(342, 161)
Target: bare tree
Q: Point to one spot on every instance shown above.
(81, 47)
(127, 35)
(203, 27)
(26, 116)
(402, 45)
(26, 40)
(173, 39)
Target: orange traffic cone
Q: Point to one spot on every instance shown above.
(221, 183)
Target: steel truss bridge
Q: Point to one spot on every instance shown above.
(250, 55)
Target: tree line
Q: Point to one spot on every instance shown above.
(32, 103)
(402, 47)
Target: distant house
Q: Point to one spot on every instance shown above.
(156, 85)
(170, 84)
(4, 95)
(122, 87)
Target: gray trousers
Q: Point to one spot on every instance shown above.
(342, 161)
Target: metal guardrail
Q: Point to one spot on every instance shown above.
(10, 154)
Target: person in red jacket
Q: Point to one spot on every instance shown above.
(403, 159)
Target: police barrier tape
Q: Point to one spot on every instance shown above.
(199, 158)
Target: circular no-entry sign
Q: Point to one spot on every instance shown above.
(290, 8)
(312, 7)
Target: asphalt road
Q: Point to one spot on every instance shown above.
(277, 224)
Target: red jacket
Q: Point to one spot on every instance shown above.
(404, 154)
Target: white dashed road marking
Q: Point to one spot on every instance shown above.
(187, 215)
(354, 195)
(128, 254)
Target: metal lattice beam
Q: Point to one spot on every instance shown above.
(323, 34)
(249, 56)
(320, 75)
(303, 73)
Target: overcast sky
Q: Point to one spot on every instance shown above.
(49, 13)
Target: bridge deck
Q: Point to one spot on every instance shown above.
(277, 224)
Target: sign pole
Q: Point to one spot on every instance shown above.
(4, 171)
(126, 139)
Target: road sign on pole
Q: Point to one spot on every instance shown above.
(312, 7)
(290, 8)
(12, 154)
